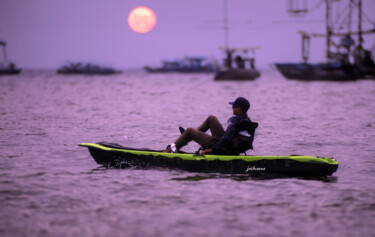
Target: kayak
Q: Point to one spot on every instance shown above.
(114, 155)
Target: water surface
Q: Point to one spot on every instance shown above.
(51, 187)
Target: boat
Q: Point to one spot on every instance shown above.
(243, 68)
(349, 62)
(86, 69)
(319, 71)
(185, 65)
(242, 71)
(7, 68)
(114, 155)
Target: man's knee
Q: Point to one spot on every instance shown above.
(189, 131)
(212, 118)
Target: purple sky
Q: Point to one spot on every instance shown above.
(47, 33)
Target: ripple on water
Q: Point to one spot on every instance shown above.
(51, 187)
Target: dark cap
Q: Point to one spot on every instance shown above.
(241, 102)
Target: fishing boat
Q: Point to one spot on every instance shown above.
(6, 67)
(244, 69)
(349, 61)
(114, 155)
(86, 69)
(237, 65)
(185, 65)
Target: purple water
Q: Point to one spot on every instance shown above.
(51, 187)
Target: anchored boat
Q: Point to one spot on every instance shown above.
(237, 65)
(86, 69)
(7, 68)
(349, 61)
(185, 65)
(244, 69)
(114, 155)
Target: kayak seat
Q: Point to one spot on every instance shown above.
(241, 143)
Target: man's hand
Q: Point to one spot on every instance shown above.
(205, 151)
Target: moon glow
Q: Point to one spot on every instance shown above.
(141, 19)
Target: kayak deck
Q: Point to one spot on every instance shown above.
(113, 155)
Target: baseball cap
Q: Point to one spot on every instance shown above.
(241, 102)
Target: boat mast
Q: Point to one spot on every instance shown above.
(350, 17)
(226, 28)
(2, 43)
(360, 38)
(328, 29)
(228, 52)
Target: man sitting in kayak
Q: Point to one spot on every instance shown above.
(237, 138)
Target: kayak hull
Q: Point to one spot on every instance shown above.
(252, 165)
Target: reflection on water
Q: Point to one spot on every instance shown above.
(51, 187)
(239, 177)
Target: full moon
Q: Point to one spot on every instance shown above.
(142, 19)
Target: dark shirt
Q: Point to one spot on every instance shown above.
(223, 145)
